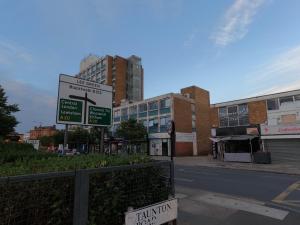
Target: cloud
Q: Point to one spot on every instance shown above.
(190, 39)
(11, 52)
(36, 105)
(236, 21)
(281, 74)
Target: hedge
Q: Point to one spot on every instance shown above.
(51, 201)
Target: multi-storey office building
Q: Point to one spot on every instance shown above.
(271, 122)
(125, 75)
(190, 112)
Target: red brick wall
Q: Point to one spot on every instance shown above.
(257, 112)
(203, 123)
(184, 149)
(182, 115)
(120, 88)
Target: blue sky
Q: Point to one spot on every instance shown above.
(233, 48)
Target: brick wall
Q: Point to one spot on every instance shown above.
(184, 149)
(120, 86)
(214, 117)
(203, 124)
(182, 115)
(257, 112)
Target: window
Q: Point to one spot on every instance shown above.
(124, 114)
(144, 122)
(193, 125)
(117, 114)
(153, 108)
(164, 123)
(153, 125)
(297, 97)
(143, 110)
(223, 117)
(165, 106)
(272, 104)
(233, 116)
(133, 112)
(243, 115)
(165, 103)
(286, 100)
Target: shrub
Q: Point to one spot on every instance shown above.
(51, 201)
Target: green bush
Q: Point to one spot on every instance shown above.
(16, 152)
(51, 201)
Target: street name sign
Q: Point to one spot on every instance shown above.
(156, 214)
(83, 102)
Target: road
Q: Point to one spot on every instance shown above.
(213, 196)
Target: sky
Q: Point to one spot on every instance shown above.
(233, 48)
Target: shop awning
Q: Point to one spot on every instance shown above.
(234, 138)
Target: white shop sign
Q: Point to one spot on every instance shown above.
(156, 214)
(280, 129)
(35, 143)
(185, 137)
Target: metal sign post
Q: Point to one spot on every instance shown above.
(172, 133)
(83, 102)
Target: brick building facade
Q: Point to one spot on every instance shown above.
(125, 75)
(276, 118)
(41, 131)
(187, 109)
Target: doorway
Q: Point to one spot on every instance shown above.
(165, 147)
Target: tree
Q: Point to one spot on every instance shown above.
(7, 121)
(131, 130)
(46, 141)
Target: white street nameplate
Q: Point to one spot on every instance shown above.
(156, 214)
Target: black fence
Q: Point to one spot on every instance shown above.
(84, 197)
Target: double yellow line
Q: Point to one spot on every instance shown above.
(281, 198)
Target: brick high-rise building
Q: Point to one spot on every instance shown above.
(190, 110)
(125, 75)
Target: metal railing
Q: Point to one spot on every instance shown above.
(82, 197)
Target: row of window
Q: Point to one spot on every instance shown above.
(154, 125)
(232, 116)
(275, 103)
(143, 110)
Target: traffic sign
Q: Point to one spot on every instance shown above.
(83, 102)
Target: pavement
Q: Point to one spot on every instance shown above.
(212, 195)
(208, 161)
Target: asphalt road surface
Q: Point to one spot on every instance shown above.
(215, 196)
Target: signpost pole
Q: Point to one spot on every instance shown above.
(102, 140)
(173, 142)
(66, 136)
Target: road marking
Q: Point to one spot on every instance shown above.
(243, 206)
(184, 180)
(198, 172)
(282, 196)
(180, 195)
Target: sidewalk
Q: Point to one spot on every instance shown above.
(209, 162)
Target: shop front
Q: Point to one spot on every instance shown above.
(235, 144)
(283, 141)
